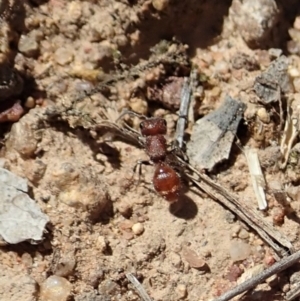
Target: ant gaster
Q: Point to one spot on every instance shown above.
(166, 181)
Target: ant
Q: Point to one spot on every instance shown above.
(166, 180)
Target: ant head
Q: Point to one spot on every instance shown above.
(153, 126)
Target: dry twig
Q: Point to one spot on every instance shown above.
(278, 241)
(252, 282)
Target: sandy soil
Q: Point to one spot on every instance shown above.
(82, 61)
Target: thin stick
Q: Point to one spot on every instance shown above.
(143, 294)
(183, 113)
(278, 241)
(252, 282)
(185, 101)
(293, 293)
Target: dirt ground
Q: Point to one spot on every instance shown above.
(66, 65)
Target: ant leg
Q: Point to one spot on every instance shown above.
(128, 112)
(177, 151)
(138, 166)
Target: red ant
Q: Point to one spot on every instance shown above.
(166, 180)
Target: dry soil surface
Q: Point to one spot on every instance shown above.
(81, 62)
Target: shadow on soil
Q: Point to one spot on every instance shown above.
(193, 22)
(185, 208)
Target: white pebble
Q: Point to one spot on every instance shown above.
(138, 228)
(160, 5)
(263, 115)
(239, 250)
(181, 291)
(55, 288)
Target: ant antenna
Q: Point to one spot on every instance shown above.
(128, 112)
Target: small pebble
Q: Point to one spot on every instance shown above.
(27, 260)
(125, 209)
(244, 234)
(297, 23)
(21, 139)
(138, 228)
(63, 56)
(55, 288)
(12, 114)
(101, 244)
(296, 83)
(181, 291)
(263, 115)
(28, 45)
(65, 267)
(193, 259)
(221, 67)
(139, 105)
(239, 250)
(175, 259)
(160, 4)
(235, 230)
(30, 102)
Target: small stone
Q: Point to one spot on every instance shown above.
(125, 225)
(138, 105)
(125, 208)
(239, 250)
(275, 52)
(30, 102)
(101, 244)
(263, 115)
(221, 67)
(12, 114)
(29, 45)
(127, 235)
(21, 139)
(55, 288)
(235, 230)
(297, 23)
(294, 34)
(278, 215)
(193, 259)
(234, 272)
(63, 56)
(296, 83)
(175, 259)
(181, 291)
(160, 4)
(35, 171)
(27, 260)
(138, 228)
(65, 267)
(254, 19)
(244, 234)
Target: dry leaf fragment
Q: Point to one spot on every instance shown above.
(213, 135)
(275, 79)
